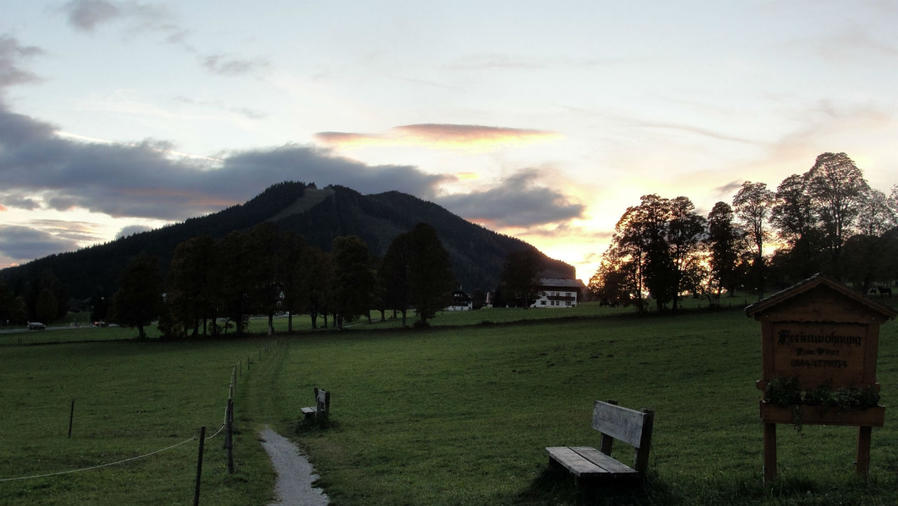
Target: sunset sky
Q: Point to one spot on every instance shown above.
(541, 120)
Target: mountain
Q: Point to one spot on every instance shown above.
(318, 215)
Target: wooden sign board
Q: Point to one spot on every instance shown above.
(822, 334)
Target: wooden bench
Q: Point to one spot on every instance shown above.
(589, 465)
(319, 412)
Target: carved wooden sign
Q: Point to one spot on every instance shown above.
(819, 343)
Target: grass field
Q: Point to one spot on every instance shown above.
(130, 398)
(454, 415)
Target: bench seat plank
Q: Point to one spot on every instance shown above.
(308, 411)
(574, 462)
(606, 462)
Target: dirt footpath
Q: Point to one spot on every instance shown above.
(295, 473)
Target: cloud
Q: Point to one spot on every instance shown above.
(226, 65)
(80, 231)
(10, 52)
(141, 180)
(439, 135)
(728, 190)
(131, 230)
(24, 243)
(514, 202)
(87, 14)
(20, 202)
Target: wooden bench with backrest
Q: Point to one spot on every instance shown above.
(589, 465)
(320, 411)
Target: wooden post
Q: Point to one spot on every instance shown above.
(607, 441)
(229, 436)
(199, 467)
(71, 417)
(769, 453)
(863, 450)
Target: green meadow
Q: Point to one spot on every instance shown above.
(454, 414)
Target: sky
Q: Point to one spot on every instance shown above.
(540, 120)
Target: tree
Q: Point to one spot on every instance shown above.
(723, 244)
(616, 281)
(684, 234)
(793, 217)
(233, 281)
(520, 277)
(45, 307)
(643, 233)
(11, 307)
(393, 275)
(752, 204)
(270, 251)
(430, 278)
(139, 297)
(354, 282)
(837, 189)
(188, 286)
(876, 216)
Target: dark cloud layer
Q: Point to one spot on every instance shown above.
(515, 202)
(140, 180)
(24, 243)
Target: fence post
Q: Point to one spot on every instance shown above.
(199, 467)
(71, 417)
(229, 437)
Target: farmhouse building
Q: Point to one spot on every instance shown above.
(461, 301)
(554, 292)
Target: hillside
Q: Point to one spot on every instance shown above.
(318, 215)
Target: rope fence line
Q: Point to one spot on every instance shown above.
(99, 466)
(220, 429)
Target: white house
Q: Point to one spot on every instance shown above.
(461, 301)
(553, 292)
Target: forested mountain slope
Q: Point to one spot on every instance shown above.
(318, 215)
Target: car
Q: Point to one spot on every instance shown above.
(36, 326)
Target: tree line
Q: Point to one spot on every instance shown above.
(826, 220)
(212, 285)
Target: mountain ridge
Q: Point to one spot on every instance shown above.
(318, 215)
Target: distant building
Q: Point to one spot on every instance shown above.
(554, 292)
(461, 301)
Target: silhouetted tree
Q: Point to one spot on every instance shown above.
(354, 281)
(430, 277)
(189, 285)
(520, 277)
(233, 282)
(685, 232)
(393, 275)
(752, 204)
(139, 297)
(723, 245)
(837, 189)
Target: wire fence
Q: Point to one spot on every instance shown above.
(228, 418)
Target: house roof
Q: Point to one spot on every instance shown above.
(566, 283)
(811, 283)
